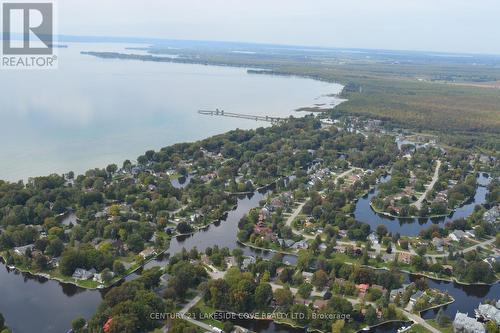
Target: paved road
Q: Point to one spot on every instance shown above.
(419, 320)
(192, 303)
(185, 310)
(295, 213)
(418, 203)
(294, 291)
(473, 247)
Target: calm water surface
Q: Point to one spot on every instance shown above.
(113, 110)
(90, 112)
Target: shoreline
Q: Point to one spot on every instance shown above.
(450, 214)
(75, 283)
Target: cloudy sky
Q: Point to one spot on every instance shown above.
(434, 25)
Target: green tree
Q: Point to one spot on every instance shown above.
(305, 290)
(284, 297)
(263, 294)
(338, 326)
(228, 326)
(78, 324)
(118, 267)
(319, 279)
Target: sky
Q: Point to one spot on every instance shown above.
(468, 26)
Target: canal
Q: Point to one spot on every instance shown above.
(33, 304)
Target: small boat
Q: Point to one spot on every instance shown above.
(403, 329)
(367, 328)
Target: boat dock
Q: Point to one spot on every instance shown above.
(223, 113)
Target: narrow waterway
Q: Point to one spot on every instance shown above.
(33, 304)
(411, 226)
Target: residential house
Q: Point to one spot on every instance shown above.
(320, 304)
(307, 276)
(448, 269)
(470, 234)
(21, 250)
(286, 243)
(247, 262)
(492, 215)
(373, 237)
(279, 270)
(491, 260)
(98, 277)
(118, 247)
(489, 312)
(148, 252)
(362, 288)
(388, 257)
(83, 274)
(231, 262)
(457, 235)
(300, 245)
(54, 262)
(438, 244)
(414, 298)
(396, 292)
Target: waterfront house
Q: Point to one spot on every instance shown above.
(457, 235)
(231, 262)
(389, 256)
(448, 269)
(148, 252)
(493, 215)
(438, 244)
(286, 243)
(54, 262)
(21, 250)
(300, 245)
(261, 229)
(465, 324)
(414, 298)
(277, 203)
(373, 238)
(470, 234)
(491, 260)
(98, 277)
(396, 292)
(489, 312)
(247, 262)
(83, 274)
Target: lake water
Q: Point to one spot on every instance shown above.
(112, 110)
(91, 111)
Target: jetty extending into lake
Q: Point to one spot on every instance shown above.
(223, 113)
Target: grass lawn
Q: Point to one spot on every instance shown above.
(207, 311)
(418, 329)
(445, 329)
